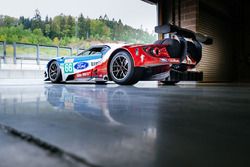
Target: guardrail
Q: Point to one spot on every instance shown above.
(27, 51)
(3, 51)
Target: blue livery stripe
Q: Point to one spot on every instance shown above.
(86, 58)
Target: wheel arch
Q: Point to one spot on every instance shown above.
(51, 61)
(48, 66)
(113, 54)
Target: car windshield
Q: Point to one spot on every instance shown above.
(102, 50)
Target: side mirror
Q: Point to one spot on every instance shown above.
(164, 29)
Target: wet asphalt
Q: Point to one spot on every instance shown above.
(147, 125)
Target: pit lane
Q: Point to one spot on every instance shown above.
(109, 125)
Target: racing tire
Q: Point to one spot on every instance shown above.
(54, 72)
(122, 70)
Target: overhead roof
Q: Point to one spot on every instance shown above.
(153, 2)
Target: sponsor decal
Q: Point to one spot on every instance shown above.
(163, 60)
(83, 75)
(78, 75)
(68, 68)
(94, 63)
(137, 52)
(142, 58)
(69, 61)
(81, 66)
(87, 74)
(173, 60)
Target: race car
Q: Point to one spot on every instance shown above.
(169, 61)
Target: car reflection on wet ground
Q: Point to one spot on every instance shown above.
(111, 125)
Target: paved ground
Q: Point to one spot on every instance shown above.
(109, 125)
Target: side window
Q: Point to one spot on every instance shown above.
(85, 53)
(95, 51)
(105, 50)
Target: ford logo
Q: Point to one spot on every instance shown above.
(81, 66)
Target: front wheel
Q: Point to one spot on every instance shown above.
(55, 75)
(122, 70)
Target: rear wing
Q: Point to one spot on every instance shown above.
(165, 29)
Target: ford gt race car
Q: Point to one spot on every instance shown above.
(170, 60)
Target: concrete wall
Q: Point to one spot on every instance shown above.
(238, 14)
(21, 74)
(186, 14)
(189, 14)
(24, 69)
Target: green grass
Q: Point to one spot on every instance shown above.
(47, 52)
(64, 52)
(9, 51)
(26, 51)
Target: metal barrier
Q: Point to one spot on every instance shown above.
(26, 51)
(1, 54)
(3, 51)
(37, 52)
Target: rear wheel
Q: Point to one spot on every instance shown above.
(55, 75)
(122, 70)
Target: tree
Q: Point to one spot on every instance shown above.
(47, 30)
(56, 41)
(25, 22)
(9, 21)
(106, 17)
(62, 25)
(36, 21)
(88, 30)
(47, 26)
(99, 29)
(82, 27)
(63, 30)
(55, 27)
(1, 20)
(70, 26)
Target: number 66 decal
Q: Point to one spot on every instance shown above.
(68, 68)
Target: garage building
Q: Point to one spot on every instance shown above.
(228, 59)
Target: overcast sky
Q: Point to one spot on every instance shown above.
(132, 12)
